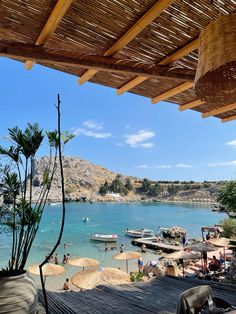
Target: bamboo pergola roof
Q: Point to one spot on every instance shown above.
(145, 47)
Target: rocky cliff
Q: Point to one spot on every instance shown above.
(83, 180)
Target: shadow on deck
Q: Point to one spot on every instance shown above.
(157, 296)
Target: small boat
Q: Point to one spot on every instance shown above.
(85, 219)
(54, 204)
(134, 233)
(147, 232)
(139, 233)
(104, 237)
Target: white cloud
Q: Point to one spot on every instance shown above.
(184, 166)
(93, 125)
(223, 163)
(232, 143)
(138, 139)
(92, 129)
(155, 166)
(142, 167)
(146, 145)
(92, 133)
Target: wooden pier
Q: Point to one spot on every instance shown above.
(152, 244)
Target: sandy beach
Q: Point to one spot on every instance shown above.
(56, 283)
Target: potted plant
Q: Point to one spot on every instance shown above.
(21, 211)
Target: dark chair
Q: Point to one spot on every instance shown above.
(192, 301)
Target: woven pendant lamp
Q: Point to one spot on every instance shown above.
(215, 81)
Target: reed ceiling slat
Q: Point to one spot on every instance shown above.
(92, 27)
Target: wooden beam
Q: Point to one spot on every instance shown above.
(49, 28)
(172, 92)
(182, 52)
(52, 56)
(228, 119)
(144, 21)
(220, 110)
(136, 81)
(191, 105)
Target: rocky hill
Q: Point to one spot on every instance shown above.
(83, 181)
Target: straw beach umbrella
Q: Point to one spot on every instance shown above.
(202, 247)
(125, 256)
(181, 255)
(84, 262)
(221, 242)
(89, 279)
(47, 269)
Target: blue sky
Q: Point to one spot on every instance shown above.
(126, 133)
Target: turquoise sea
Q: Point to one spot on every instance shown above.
(109, 218)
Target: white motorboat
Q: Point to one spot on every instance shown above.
(147, 232)
(85, 219)
(54, 204)
(139, 233)
(134, 233)
(104, 237)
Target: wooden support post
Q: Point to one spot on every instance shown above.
(172, 92)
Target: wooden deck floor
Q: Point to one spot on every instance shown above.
(157, 296)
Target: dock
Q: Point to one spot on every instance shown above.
(153, 245)
(158, 296)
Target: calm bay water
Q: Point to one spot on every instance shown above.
(108, 218)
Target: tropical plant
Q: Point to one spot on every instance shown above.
(227, 196)
(229, 227)
(21, 211)
(136, 276)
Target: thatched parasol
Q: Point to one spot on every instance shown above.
(91, 278)
(201, 247)
(84, 262)
(125, 256)
(220, 241)
(183, 255)
(47, 269)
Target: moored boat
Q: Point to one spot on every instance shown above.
(139, 233)
(104, 237)
(54, 204)
(147, 232)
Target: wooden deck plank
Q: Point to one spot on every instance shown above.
(157, 296)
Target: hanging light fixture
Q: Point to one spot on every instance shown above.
(215, 81)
